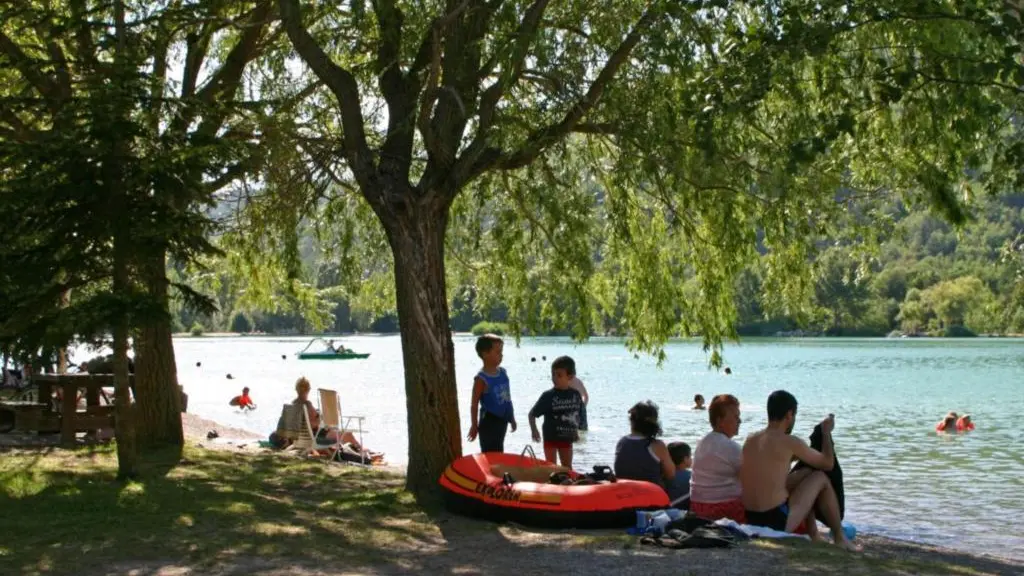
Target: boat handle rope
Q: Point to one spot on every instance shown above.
(533, 454)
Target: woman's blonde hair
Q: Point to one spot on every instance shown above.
(302, 384)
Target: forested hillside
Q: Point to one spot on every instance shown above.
(925, 278)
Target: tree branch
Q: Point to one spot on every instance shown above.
(195, 53)
(343, 85)
(61, 72)
(399, 91)
(539, 141)
(525, 35)
(30, 69)
(425, 52)
(227, 78)
(85, 48)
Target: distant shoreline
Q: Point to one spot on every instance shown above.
(186, 335)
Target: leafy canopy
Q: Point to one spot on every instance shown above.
(629, 158)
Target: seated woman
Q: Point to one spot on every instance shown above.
(640, 455)
(302, 388)
(715, 488)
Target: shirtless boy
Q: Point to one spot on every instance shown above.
(777, 499)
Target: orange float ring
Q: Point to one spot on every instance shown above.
(474, 486)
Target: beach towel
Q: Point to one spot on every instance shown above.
(755, 531)
(835, 475)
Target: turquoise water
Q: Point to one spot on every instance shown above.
(903, 479)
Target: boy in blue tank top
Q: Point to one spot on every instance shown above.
(492, 397)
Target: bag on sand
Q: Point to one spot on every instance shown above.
(705, 537)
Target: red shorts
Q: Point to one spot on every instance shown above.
(557, 445)
(731, 509)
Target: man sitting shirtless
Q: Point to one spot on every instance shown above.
(777, 499)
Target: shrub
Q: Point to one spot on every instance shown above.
(241, 324)
(959, 332)
(481, 328)
(197, 329)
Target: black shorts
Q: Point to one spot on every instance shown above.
(491, 430)
(775, 518)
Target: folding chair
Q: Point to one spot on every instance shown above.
(295, 426)
(330, 416)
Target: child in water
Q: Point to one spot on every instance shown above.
(244, 401)
(947, 424)
(964, 424)
(698, 402)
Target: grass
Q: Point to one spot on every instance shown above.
(63, 511)
(223, 512)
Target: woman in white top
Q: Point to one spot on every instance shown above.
(715, 488)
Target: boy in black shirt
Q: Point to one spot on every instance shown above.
(560, 407)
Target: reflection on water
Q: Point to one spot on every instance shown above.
(903, 479)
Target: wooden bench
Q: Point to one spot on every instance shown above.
(27, 416)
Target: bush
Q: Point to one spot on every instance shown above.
(197, 329)
(241, 324)
(958, 332)
(481, 328)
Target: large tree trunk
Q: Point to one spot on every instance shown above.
(157, 398)
(124, 423)
(416, 235)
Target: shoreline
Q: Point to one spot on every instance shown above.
(805, 336)
(396, 536)
(236, 439)
(245, 443)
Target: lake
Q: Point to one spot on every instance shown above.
(903, 479)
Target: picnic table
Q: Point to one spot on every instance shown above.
(72, 420)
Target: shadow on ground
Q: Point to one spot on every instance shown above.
(229, 513)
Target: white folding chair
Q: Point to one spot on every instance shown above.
(331, 417)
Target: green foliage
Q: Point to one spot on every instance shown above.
(197, 329)
(485, 327)
(94, 151)
(728, 138)
(241, 324)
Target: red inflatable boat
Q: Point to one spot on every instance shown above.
(477, 486)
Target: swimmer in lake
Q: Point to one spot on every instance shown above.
(698, 402)
(947, 424)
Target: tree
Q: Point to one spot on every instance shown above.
(839, 289)
(658, 135)
(191, 137)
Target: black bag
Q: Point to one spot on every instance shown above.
(709, 536)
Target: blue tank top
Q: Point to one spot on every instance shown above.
(497, 399)
(634, 460)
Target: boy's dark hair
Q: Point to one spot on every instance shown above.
(564, 363)
(486, 342)
(643, 419)
(679, 451)
(780, 403)
(698, 398)
(245, 390)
